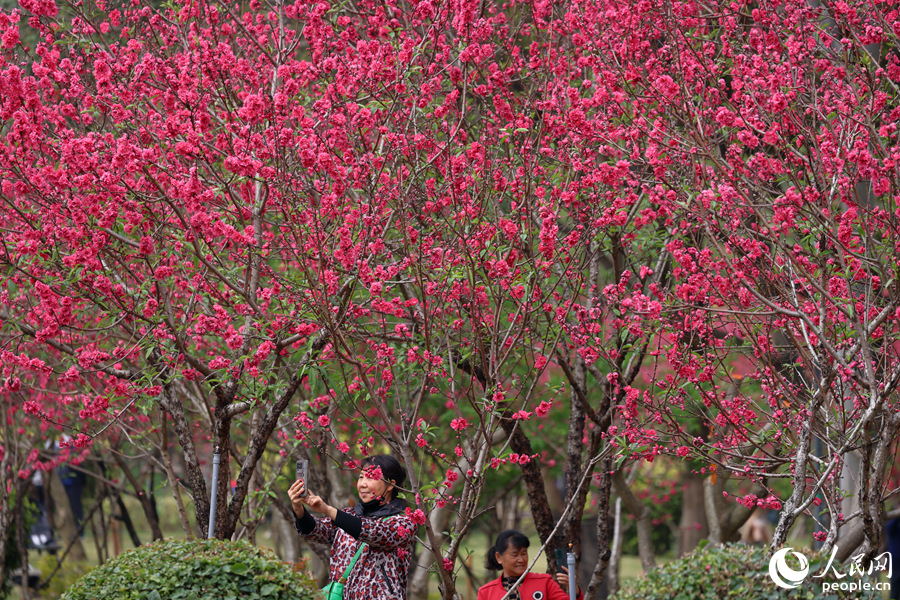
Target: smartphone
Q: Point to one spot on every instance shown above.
(302, 473)
(561, 558)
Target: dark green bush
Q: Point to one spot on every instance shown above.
(194, 570)
(740, 572)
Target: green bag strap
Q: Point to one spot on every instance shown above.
(352, 563)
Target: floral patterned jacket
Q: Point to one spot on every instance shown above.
(382, 568)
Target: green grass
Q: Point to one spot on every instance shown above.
(630, 566)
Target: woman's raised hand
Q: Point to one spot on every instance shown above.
(315, 503)
(563, 578)
(295, 493)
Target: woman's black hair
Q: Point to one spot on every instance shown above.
(391, 470)
(507, 538)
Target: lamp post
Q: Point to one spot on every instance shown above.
(212, 500)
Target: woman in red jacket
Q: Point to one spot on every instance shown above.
(510, 554)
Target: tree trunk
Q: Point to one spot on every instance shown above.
(64, 520)
(711, 497)
(174, 482)
(615, 557)
(732, 519)
(286, 539)
(146, 505)
(195, 477)
(855, 535)
(21, 545)
(6, 511)
(575, 446)
(594, 564)
(792, 506)
(850, 483)
(877, 455)
(534, 483)
(126, 519)
(642, 520)
(226, 521)
(693, 527)
(418, 580)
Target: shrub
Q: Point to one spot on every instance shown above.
(736, 571)
(195, 570)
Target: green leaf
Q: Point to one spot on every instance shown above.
(239, 568)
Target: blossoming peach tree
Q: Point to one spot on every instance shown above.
(324, 230)
(770, 133)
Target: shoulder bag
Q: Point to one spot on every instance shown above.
(335, 589)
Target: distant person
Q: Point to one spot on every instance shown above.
(376, 531)
(757, 531)
(40, 534)
(73, 481)
(510, 555)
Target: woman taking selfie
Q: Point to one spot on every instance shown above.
(375, 535)
(510, 555)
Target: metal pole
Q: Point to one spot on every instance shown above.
(212, 500)
(570, 565)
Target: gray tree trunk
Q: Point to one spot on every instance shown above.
(693, 527)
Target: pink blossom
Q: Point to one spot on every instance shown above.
(750, 501)
(666, 86)
(458, 424)
(372, 472)
(146, 246)
(10, 37)
(220, 362)
(416, 516)
(81, 441)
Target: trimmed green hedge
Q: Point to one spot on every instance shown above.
(737, 571)
(195, 570)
